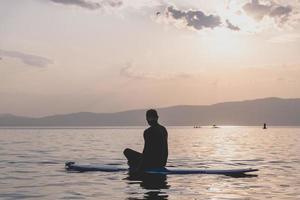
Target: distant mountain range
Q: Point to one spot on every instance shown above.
(273, 111)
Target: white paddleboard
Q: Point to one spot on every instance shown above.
(72, 166)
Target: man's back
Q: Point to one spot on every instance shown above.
(155, 153)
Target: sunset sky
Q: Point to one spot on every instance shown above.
(62, 56)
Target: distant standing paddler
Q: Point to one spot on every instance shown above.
(265, 126)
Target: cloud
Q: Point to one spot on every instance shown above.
(32, 60)
(258, 10)
(231, 26)
(89, 4)
(126, 72)
(129, 72)
(195, 19)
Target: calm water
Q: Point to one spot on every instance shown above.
(32, 163)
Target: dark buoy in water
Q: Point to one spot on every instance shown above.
(265, 126)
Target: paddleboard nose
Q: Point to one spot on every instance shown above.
(69, 163)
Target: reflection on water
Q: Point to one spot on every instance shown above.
(243, 175)
(32, 164)
(153, 185)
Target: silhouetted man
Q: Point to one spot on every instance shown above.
(155, 153)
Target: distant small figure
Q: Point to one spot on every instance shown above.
(265, 126)
(157, 13)
(215, 126)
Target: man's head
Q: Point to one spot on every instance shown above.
(151, 116)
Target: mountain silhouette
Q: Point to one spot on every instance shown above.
(273, 111)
